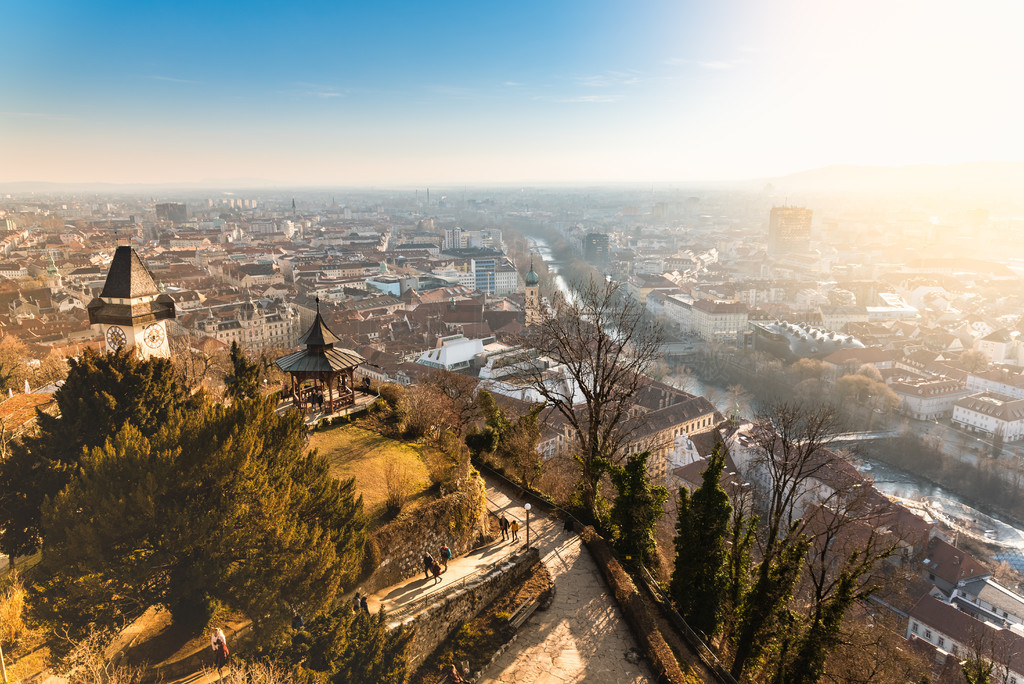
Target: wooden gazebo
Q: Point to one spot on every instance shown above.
(321, 375)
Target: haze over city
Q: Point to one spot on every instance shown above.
(403, 93)
(585, 341)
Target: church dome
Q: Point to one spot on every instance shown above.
(532, 279)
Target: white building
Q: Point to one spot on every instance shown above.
(721, 321)
(991, 413)
(928, 399)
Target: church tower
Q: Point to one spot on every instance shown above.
(131, 310)
(532, 297)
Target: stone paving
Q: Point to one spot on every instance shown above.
(582, 637)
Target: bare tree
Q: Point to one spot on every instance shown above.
(601, 344)
(461, 390)
(793, 460)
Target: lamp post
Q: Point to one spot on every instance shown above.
(528, 507)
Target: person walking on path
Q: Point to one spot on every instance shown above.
(446, 555)
(453, 675)
(365, 605)
(428, 564)
(219, 644)
(356, 603)
(503, 524)
(515, 530)
(436, 569)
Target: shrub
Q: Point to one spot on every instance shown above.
(396, 482)
(12, 608)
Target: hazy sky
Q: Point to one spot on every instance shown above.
(384, 92)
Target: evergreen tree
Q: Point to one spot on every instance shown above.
(220, 505)
(636, 510)
(243, 382)
(977, 670)
(742, 529)
(348, 648)
(515, 441)
(102, 393)
(700, 580)
(765, 604)
(822, 635)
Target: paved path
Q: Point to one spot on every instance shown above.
(581, 637)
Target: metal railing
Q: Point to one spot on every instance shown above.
(413, 607)
(703, 651)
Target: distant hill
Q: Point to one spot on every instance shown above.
(987, 177)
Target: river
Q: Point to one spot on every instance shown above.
(887, 479)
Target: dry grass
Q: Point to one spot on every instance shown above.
(365, 455)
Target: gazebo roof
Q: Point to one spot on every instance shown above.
(319, 361)
(318, 335)
(319, 356)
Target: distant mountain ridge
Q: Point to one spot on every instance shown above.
(989, 176)
(970, 176)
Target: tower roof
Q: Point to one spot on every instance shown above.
(318, 335)
(128, 277)
(532, 279)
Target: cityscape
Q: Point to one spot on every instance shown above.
(730, 395)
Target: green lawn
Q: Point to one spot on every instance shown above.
(356, 452)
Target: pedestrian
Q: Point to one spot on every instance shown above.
(428, 563)
(453, 675)
(503, 524)
(364, 605)
(515, 530)
(436, 569)
(446, 555)
(356, 603)
(219, 644)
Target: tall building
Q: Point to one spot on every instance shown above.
(532, 297)
(131, 310)
(595, 248)
(172, 211)
(789, 230)
(453, 238)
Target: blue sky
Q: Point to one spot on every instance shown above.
(378, 93)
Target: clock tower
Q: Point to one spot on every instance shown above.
(131, 311)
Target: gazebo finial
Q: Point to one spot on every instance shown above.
(318, 304)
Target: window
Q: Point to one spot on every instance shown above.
(913, 628)
(928, 634)
(942, 642)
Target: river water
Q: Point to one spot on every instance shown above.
(887, 479)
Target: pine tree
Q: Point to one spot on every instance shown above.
(347, 647)
(100, 395)
(636, 510)
(243, 382)
(700, 583)
(220, 505)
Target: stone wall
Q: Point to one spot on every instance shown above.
(396, 550)
(435, 623)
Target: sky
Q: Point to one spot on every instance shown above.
(564, 91)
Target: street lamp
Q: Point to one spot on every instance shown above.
(528, 507)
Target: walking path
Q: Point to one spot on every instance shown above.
(581, 637)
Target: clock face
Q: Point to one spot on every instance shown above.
(116, 338)
(154, 335)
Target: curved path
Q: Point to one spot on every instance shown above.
(582, 637)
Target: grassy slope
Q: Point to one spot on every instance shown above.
(356, 452)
